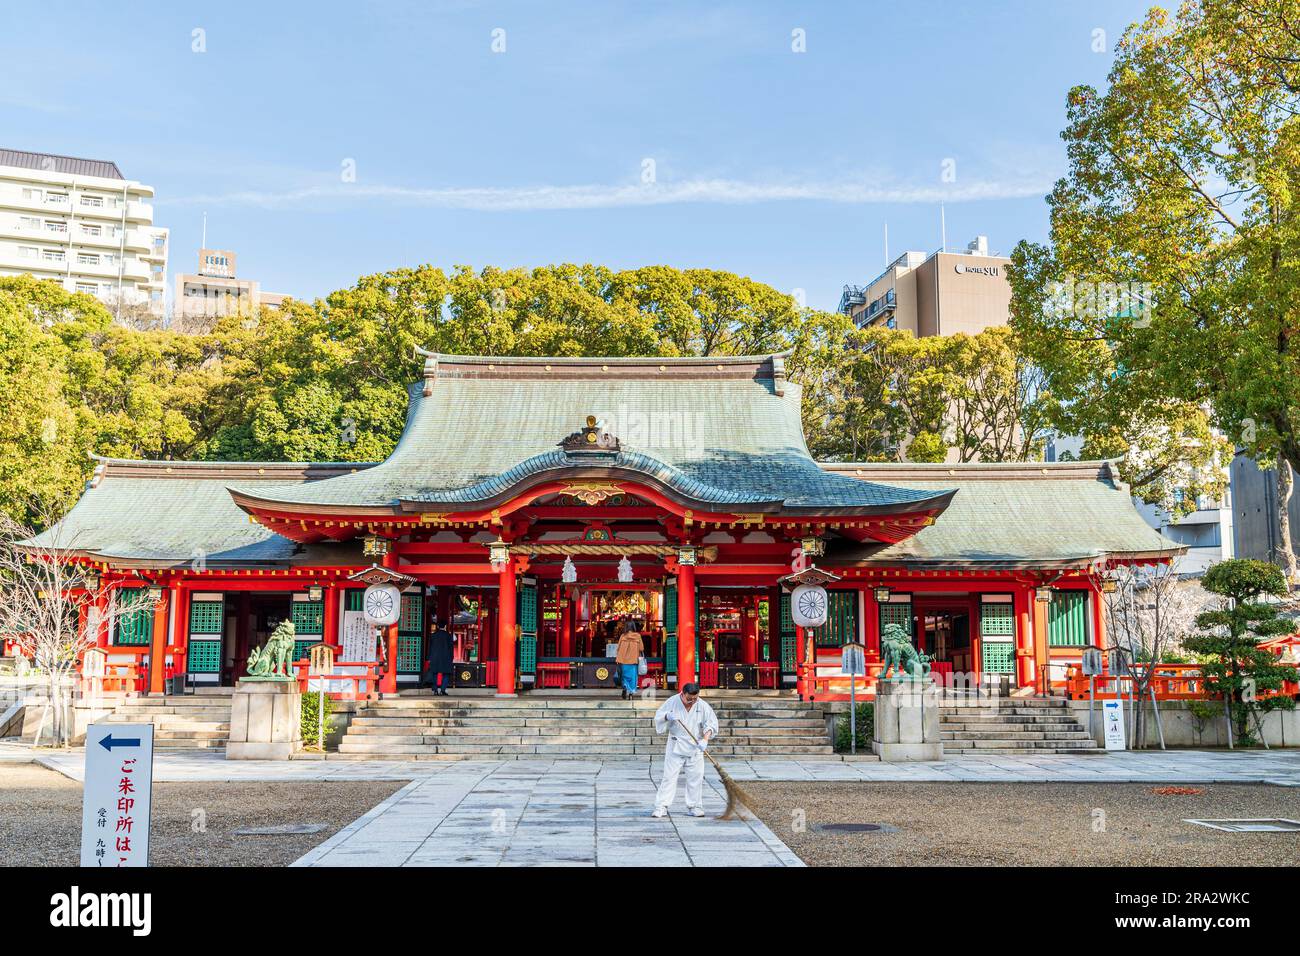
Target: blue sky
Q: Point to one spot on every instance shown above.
(772, 163)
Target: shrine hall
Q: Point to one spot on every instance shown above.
(534, 506)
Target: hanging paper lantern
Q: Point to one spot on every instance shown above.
(808, 605)
(625, 570)
(569, 573)
(382, 604)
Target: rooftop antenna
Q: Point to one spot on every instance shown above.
(943, 230)
(205, 231)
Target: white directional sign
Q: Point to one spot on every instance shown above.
(1112, 721)
(118, 795)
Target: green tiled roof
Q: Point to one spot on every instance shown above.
(1014, 515)
(724, 431)
(178, 513)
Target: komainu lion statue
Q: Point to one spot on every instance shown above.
(273, 658)
(896, 651)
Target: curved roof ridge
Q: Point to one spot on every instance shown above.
(558, 460)
(624, 360)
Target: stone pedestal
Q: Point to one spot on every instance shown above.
(265, 720)
(907, 721)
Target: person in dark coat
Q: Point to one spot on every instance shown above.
(440, 663)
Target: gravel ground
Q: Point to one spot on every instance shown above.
(953, 824)
(40, 818)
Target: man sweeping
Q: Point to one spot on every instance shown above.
(689, 723)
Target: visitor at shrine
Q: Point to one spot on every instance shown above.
(440, 655)
(690, 723)
(630, 651)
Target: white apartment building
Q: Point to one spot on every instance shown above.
(81, 223)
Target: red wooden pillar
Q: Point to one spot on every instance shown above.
(564, 641)
(182, 638)
(871, 623)
(388, 682)
(1023, 598)
(1098, 618)
(749, 645)
(101, 602)
(330, 623)
(1041, 654)
(686, 625)
(157, 643)
(506, 636)
(800, 659)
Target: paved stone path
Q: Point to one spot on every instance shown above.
(1280, 767)
(547, 813)
(556, 812)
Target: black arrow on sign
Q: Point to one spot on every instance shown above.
(108, 743)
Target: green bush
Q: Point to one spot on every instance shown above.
(311, 717)
(866, 729)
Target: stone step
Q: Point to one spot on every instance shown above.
(1021, 752)
(642, 728)
(1009, 725)
(971, 735)
(158, 713)
(406, 751)
(1029, 744)
(185, 744)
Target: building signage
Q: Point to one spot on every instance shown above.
(358, 637)
(116, 798)
(1112, 720)
(962, 269)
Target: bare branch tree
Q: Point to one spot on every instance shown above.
(53, 608)
(1148, 615)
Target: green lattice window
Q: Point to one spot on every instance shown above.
(900, 613)
(134, 628)
(204, 657)
(207, 617)
(999, 657)
(788, 636)
(997, 620)
(526, 608)
(1067, 619)
(300, 647)
(841, 620)
(308, 618)
(410, 634)
(354, 599)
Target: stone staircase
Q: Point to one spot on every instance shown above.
(198, 722)
(1012, 725)
(438, 728)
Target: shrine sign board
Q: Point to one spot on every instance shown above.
(117, 795)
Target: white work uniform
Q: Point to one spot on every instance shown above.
(681, 753)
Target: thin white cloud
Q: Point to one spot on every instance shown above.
(613, 196)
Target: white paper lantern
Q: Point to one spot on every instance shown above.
(568, 573)
(808, 605)
(625, 570)
(382, 604)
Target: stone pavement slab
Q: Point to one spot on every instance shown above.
(547, 813)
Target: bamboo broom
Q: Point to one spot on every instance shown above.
(735, 795)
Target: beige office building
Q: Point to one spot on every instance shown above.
(937, 294)
(216, 290)
(81, 223)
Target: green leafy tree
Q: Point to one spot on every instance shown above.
(1236, 667)
(1167, 297)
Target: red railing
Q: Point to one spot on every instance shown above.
(363, 676)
